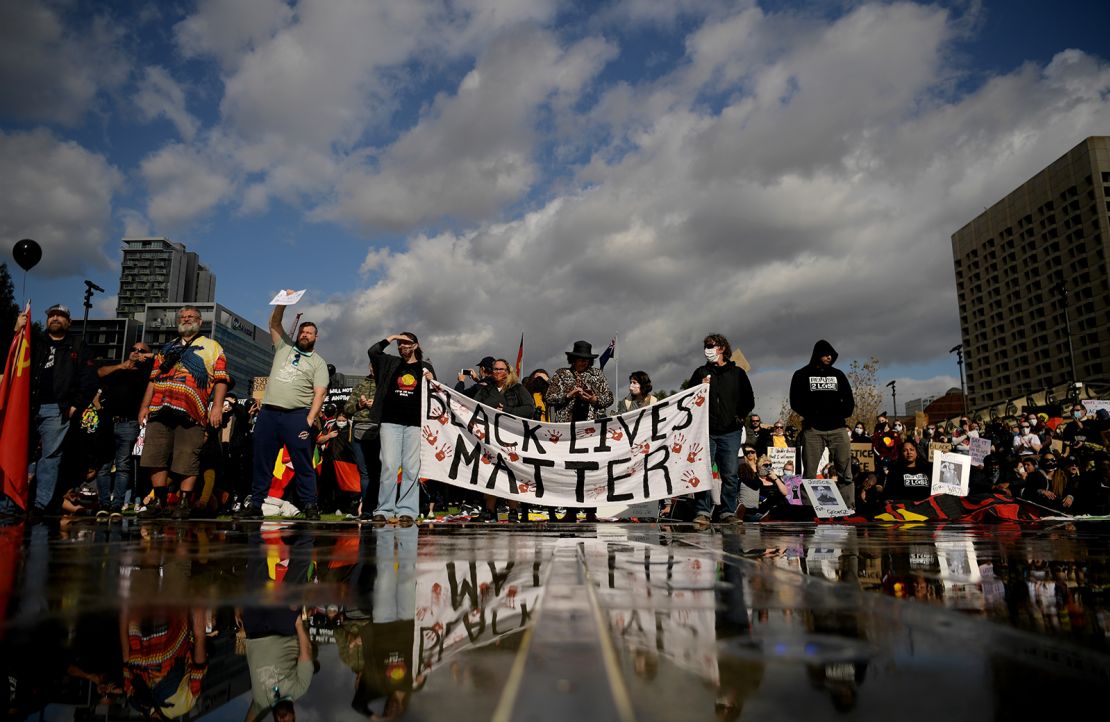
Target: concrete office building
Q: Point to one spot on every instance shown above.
(109, 339)
(1013, 262)
(249, 348)
(158, 270)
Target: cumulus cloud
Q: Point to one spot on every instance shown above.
(813, 195)
(59, 194)
(159, 95)
(50, 72)
(184, 184)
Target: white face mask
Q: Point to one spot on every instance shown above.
(859, 429)
(634, 389)
(897, 427)
(341, 424)
(711, 355)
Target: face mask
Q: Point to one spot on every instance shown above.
(897, 427)
(1025, 429)
(341, 424)
(711, 355)
(634, 389)
(973, 434)
(1077, 415)
(859, 429)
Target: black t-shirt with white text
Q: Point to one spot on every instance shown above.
(402, 399)
(907, 483)
(46, 393)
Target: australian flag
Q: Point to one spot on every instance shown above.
(608, 353)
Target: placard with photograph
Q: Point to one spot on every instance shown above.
(951, 474)
(825, 498)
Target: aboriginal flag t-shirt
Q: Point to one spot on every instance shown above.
(402, 401)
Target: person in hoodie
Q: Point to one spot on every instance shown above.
(822, 396)
(730, 401)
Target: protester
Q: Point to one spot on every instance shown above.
(860, 435)
(730, 401)
(886, 443)
(188, 373)
(365, 445)
(515, 401)
(295, 391)
(479, 376)
(122, 388)
(777, 438)
(910, 478)
(748, 477)
(639, 393)
(63, 382)
(537, 384)
(870, 495)
(1026, 441)
(822, 396)
(578, 392)
(397, 409)
(756, 435)
(773, 492)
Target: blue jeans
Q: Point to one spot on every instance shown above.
(400, 448)
(112, 495)
(52, 428)
(273, 429)
(395, 584)
(724, 450)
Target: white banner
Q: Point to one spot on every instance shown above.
(655, 452)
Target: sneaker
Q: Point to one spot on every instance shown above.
(154, 510)
(248, 511)
(181, 512)
(487, 516)
(115, 518)
(311, 513)
(729, 518)
(702, 521)
(514, 516)
(102, 515)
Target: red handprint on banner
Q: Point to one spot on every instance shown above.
(443, 452)
(553, 436)
(695, 453)
(616, 434)
(487, 458)
(691, 478)
(699, 398)
(478, 433)
(430, 435)
(442, 418)
(596, 491)
(511, 453)
(526, 487)
(588, 431)
(679, 440)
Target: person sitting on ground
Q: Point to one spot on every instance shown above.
(910, 479)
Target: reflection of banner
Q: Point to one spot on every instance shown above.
(655, 452)
(461, 605)
(864, 455)
(779, 457)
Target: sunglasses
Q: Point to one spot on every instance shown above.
(749, 452)
(137, 349)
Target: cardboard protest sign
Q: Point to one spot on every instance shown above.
(825, 498)
(951, 474)
(654, 452)
(979, 449)
(779, 458)
(935, 448)
(1057, 446)
(864, 455)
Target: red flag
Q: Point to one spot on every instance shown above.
(520, 355)
(15, 416)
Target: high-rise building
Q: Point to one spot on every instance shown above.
(158, 270)
(249, 348)
(1019, 262)
(108, 339)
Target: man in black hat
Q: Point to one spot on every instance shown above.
(63, 382)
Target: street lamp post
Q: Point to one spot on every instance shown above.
(894, 396)
(90, 287)
(1062, 291)
(958, 349)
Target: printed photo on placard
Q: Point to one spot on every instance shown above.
(825, 498)
(951, 474)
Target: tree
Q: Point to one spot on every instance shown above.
(8, 311)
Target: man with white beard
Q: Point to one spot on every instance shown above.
(188, 373)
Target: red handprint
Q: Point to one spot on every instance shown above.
(487, 458)
(636, 468)
(443, 452)
(691, 478)
(616, 434)
(588, 431)
(643, 448)
(478, 433)
(430, 436)
(554, 436)
(526, 486)
(596, 491)
(695, 453)
(679, 440)
(442, 418)
(699, 398)
(511, 453)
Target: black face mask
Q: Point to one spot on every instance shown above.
(1050, 467)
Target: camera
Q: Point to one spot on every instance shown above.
(466, 372)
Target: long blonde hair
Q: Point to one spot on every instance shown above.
(510, 375)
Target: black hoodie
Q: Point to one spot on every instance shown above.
(821, 394)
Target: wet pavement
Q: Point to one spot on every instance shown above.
(582, 622)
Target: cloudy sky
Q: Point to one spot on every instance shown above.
(471, 169)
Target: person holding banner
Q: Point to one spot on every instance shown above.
(578, 392)
(731, 399)
(516, 401)
(397, 409)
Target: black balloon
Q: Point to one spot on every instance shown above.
(27, 253)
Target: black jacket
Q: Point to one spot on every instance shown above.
(821, 394)
(75, 380)
(730, 396)
(385, 365)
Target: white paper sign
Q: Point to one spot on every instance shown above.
(825, 498)
(951, 474)
(285, 298)
(779, 457)
(1093, 405)
(654, 452)
(979, 449)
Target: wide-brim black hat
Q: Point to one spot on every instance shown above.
(582, 349)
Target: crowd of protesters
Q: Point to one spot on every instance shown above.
(163, 434)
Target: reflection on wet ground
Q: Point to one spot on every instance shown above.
(608, 622)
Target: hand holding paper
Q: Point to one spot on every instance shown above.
(288, 297)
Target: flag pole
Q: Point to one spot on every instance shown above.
(617, 368)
